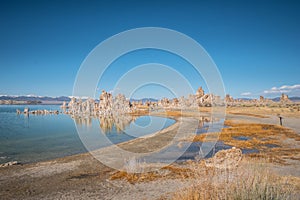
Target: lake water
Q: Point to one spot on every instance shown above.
(42, 137)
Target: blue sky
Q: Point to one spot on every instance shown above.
(255, 44)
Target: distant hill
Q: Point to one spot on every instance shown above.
(61, 98)
(35, 98)
(246, 99)
(46, 98)
(145, 100)
(55, 100)
(295, 99)
(276, 99)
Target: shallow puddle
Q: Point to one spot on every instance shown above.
(248, 151)
(244, 138)
(271, 145)
(194, 151)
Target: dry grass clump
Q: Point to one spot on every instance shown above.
(140, 112)
(181, 113)
(251, 180)
(248, 114)
(133, 172)
(135, 177)
(167, 172)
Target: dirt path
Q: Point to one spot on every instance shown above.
(289, 122)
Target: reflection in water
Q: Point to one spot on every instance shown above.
(85, 121)
(107, 122)
(120, 122)
(205, 123)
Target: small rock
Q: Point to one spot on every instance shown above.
(9, 163)
(225, 159)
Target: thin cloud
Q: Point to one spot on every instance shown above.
(246, 94)
(283, 89)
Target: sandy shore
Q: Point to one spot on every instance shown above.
(84, 177)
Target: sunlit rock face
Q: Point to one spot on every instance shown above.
(182, 102)
(175, 102)
(164, 102)
(106, 102)
(107, 105)
(121, 105)
(191, 101)
(206, 100)
(285, 99)
(72, 106)
(200, 92)
(228, 99)
(64, 105)
(261, 99)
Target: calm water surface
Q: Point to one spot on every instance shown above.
(42, 137)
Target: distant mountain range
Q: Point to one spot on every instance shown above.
(34, 98)
(45, 99)
(296, 99)
(53, 100)
(145, 100)
(276, 99)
